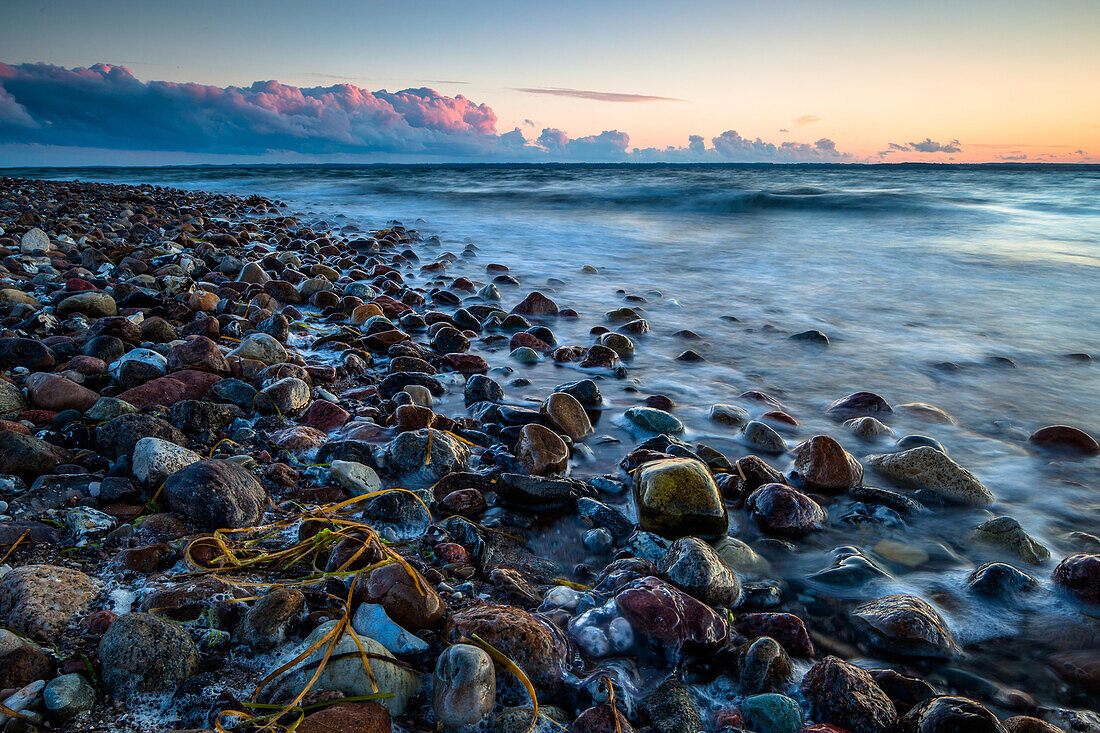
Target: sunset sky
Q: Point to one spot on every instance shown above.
(857, 81)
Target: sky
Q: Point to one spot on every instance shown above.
(95, 81)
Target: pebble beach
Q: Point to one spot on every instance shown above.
(264, 468)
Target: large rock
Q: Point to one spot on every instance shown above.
(24, 352)
(34, 242)
(859, 404)
(155, 460)
(287, 396)
(694, 567)
(906, 625)
(652, 420)
(926, 468)
(216, 494)
(51, 392)
(824, 465)
(260, 347)
(677, 497)
(271, 619)
(533, 644)
(463, 686)
(1080, 575)
(1006, 532)
(200, 354)
(145, 653)
(408, 599)
(847, 696)
(349, 717)
(567, 416)
(1065, 438)
(41, 600)
(12, 401)
(345, 672)
(948, 713)
(27, 455)
(94, 304)
(671, 620)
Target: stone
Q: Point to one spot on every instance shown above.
(40, 601)
(677, 497)
(1065, 438)
(260, 347)
(823, 465)
(585, 391)
(480, 388)
(785, 511)
(143, 653)
(407, 597)
(739, 557)
(762, 437)
(1006, 532)
(28, 353)
(22, 666)
(154, 460)
(94, 304)
(652, 420)
(730, 415)
(34, 242)
(869, 428)
(536, 304)
(271, 619)
(198, 353)
(671, 708)
(1080, 575)
(541, 451)
(1027, 724)
(326, 416)
(345, 673)
(763, 666)
(287, 396)
(927, 413)
(695, 568)
(671, 620)
(216, 494)
(847, 696)
(12, 401)
(463, 686)
(532, 643)
(371, 620)
(772, 713)
(408, 454)
(785, 628)
(566, 415)
(349, 717)
(1000, 581)
(119, 436)
(68, 696)
(926, 468)
(54, 393)
(356, 477)
(27, 455)
(906, 625)
(948, 713)
(858, 404)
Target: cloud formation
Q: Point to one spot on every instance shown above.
(594, 96)
(925, 146)
(106, 107)
(807, 120)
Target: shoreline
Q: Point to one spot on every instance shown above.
(290, 371)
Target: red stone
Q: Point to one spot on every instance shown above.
(325, 416)
(785, 628)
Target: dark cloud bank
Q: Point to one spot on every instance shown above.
(107, 107)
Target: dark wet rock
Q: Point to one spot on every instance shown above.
(566, 415)
(677, 497)
(1007, 533)
(785, 511)
(52, 492)
(288, 397)
(537, 647)
(537, 491)
(1000, 581)
(601, 719)
(144, 653)
(1080, 668)
(1027, 724)
(762, 666)
(199, 353)
(408, 454)
(201, 418)
(68, 696)
(536, 304)
(22, 666)
(271, 619)
(216, 494)
(671, 620)
(772, 713)
(397, 382)
(584, 391)
(1065, 438)
(847, 696)
(785, 628)
(24, 352)
(26, 455)
(812, 336)
(397, 514)
(120, 435)
(905, 692)
(695, 568)
(480, 388)
(762, 437)
(671, 708)
(907, 626)
(51, 392)
(947, 714)
(348, 717)
(1080, 575)
(30, 532)
(240, 393)
(42, 600)
(746, 476)
(823, 465)
(859, 404)
(917, 441)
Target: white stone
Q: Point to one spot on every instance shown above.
(145, 356)
(35, 242)
(155, 460)
(355, 477)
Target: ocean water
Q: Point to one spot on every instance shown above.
(965, 287)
